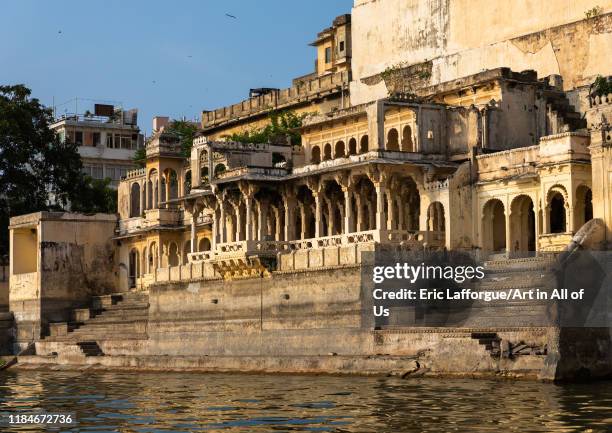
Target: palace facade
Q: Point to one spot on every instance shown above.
(505, 169)
(422, 133)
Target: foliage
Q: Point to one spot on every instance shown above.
(282, 124)
(140, 157)
(38, 171)
(602, 86)
(95, 195)
(186, 131)
(593, 12)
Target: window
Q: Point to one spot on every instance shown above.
(78, 138)
(96, 138)
(328, 55)
(125, 142)
(111, 173)
(109, 140)
(341, 46)
(97, 171)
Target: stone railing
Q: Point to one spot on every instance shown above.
(130, 225)
(257, 171)
(200, 256)
(170, 216)
(134, 174)
(278, 99)
(191, 271)
(367, 156)
(596, 100)
(551, 242)
(405, 236)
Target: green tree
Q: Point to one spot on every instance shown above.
(184, 129)
(602, 86)
(37, 170)
(95, 195)
(140, 157)
(282, 124)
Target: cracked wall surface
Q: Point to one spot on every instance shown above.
(464, 37)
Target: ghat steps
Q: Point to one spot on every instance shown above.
(113, 318)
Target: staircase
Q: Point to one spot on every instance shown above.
(561, 114)
(111, 320)
(490, 341)
(504, 274)
(90, 348)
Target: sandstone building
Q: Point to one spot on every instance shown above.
(429, 137)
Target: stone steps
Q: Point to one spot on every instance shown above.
(90, 348)
(111, 317)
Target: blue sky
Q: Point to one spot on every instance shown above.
(170, 58)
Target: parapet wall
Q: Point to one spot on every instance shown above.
(551, 37)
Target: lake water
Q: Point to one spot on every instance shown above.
(190, 402)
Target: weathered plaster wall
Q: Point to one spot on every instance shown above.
(456, 38)
(318, 313)
(73, 260)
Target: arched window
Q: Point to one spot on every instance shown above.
(392, 140)
(558, 220)
(315, 157)
(220, 168)
(204, 175)
(204, 245)
(436, 221)
(327, 152)
(186, 251)
(173, 258)
(135, 209)
(339, 151)
(352, 147)
(363, 144)
(133, 272)
(583, 211)
(494, 225)
(187, 185)
(407, 145)
(172, 181)
(522, 225)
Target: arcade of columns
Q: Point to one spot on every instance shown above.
(314, 207)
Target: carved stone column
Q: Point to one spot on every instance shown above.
(290, 209)
(262, 225)
(248, 191)
(381, 217)
(345, 180)
(315, 185)
(143, 197)
(348, 211)
(318, 215)
(223, 222)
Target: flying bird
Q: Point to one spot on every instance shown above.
(231, 16)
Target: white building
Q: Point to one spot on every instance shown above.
(107, 143)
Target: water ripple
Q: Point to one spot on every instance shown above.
(174, 402)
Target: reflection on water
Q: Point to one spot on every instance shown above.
(172, 402)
